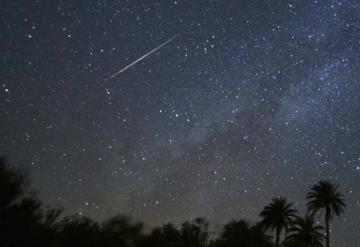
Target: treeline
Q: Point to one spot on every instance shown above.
(24, 221)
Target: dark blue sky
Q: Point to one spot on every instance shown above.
(253, 100)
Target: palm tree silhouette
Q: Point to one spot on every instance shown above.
(304, 232)
(325, 195)
(277, 216)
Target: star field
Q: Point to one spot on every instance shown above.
(254, 99)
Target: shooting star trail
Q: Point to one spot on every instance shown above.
(141, 58)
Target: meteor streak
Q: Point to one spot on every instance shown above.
(141, 58)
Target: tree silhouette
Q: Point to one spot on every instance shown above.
(240, 233)
(305, 233)
(195, 233)
(326, 196)
(79, 231)
(191, 234)
(21, 214)
(12, 183)
(51, 217)
(167, 235)
(25, 222)
(277, 216)
(121, 231)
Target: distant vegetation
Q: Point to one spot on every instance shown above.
(25, 222)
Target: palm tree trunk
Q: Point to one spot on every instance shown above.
(277, 240)
(327, 227)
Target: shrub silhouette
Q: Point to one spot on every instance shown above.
(240, 233)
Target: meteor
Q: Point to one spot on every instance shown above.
(141, 58)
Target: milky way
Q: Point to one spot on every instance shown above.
(254, 100)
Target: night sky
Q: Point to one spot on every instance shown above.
(252, 100)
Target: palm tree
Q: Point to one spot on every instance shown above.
(304, 233)
(325, 195)
(277, 216)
